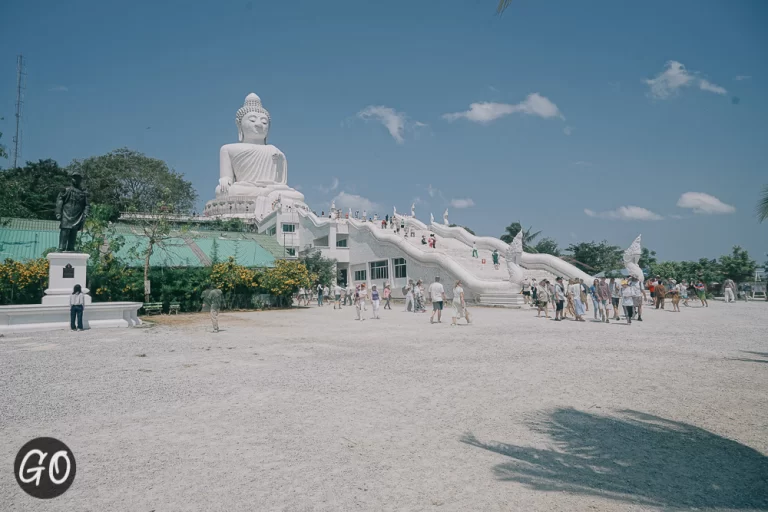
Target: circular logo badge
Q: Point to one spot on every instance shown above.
(44, 468)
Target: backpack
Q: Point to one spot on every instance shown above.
(405, 290)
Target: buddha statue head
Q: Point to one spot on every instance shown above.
(252, 121)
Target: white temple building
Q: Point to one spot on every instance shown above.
(253, 186)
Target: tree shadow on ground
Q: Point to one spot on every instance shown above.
(637, 458)
(748, 360)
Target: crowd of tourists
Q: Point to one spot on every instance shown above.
(611, 299)
(414, 293)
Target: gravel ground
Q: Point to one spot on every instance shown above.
(310, 410)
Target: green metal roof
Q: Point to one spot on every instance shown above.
(23, 239)
(20, 244)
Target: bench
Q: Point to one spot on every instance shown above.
(153, 307)
(174, 307)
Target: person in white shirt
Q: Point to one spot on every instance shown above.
(578, 306)
(526, 291)
(628, 301)
(337, 296)
(459, 305)
(350, 295)
(729, 290)
(637, 293)
(409, 304)
(360, 298)
(437, 294)
(76, 307)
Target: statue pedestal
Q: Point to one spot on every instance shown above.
(66, 270)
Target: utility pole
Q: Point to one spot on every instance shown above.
(20, 86)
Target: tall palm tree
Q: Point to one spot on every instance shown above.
(511, 231)
(503, 4)
(762, 206)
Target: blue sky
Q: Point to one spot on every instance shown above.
(563, 115)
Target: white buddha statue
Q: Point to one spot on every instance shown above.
(252, 168)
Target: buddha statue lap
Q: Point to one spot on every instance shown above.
(252, 170)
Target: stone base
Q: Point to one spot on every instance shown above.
(247, 207)
(66, 269)
(42, 317)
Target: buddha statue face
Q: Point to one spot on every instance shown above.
(254, 128)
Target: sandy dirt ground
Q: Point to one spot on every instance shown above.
(311, 410)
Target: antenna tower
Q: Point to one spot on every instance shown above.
(21, 85)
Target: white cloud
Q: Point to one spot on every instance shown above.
(535, 105)
(431, 191)
(674, 77)
(59, 88)
(743, 77)
(567, 130)
(333, 186)
(703, 203)
(395, 122)
(706, 85)
(625, 213)
(345, 201)
(582, 163)
(462, 203)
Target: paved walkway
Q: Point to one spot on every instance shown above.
(311, 410)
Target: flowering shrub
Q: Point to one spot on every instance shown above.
(23, 282)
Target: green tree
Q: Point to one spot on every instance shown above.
(762, 205)
(465, 227)
(647, 258)
(593, 257)
(30, 192)
(529, 236)
(285, 279)
(322, 268)
(546, 246)
(126, 180)
(738, 265)
(3, 150)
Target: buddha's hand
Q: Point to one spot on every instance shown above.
(224, 184)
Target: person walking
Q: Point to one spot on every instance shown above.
(637, 294)
(578, 305)
(701, 291)
(526, 291)
(459, 306)
(474, 250)
(674, 289)
(375, 301)
(559, 298)
(615, 288)
(437, 293)
(319, 294)
(408, 291)
(76, 308)
(387, 296)
(661, 294)
(628, 301)
(595, 299)
(212, 297)
(604, 294)
(350, 295)
(542, 298)
(326, 294)
(337, 296)
(495, 258)
(584, 293)
(360, 297)
(729, 288)
(418, 298)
